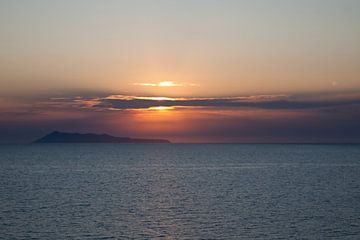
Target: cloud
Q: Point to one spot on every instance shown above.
(146, 84)
(259, 102)
(255, 118)
(127, 102)
(166, 84)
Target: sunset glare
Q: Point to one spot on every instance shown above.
(203, 63)
(180, 119)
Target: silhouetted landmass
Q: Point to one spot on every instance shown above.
(62, 137)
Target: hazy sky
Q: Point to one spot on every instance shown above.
(228, 47)
(86, 51)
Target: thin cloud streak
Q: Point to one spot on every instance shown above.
(166, 84)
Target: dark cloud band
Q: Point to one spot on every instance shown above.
(224, 103)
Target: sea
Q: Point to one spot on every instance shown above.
(179, 191)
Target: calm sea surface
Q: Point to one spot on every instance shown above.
(179, 191)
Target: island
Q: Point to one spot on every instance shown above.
(64, 137)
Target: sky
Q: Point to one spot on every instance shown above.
(184, 70)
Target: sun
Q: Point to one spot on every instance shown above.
(161, 108)
(168, 84)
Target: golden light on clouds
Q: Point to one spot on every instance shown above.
(166, 84)
(156, 98)
(146, 84)
(169, 84)
(129, 98)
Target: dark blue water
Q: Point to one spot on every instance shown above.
(110, 191)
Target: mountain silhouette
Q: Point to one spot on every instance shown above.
(63, 137)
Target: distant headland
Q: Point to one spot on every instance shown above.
(64, 137)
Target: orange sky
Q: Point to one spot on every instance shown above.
(206, 47)
(190, 71)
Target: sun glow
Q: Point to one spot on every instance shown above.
(160, 84)
(156, 98)
(169, 84)
(161, 108)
